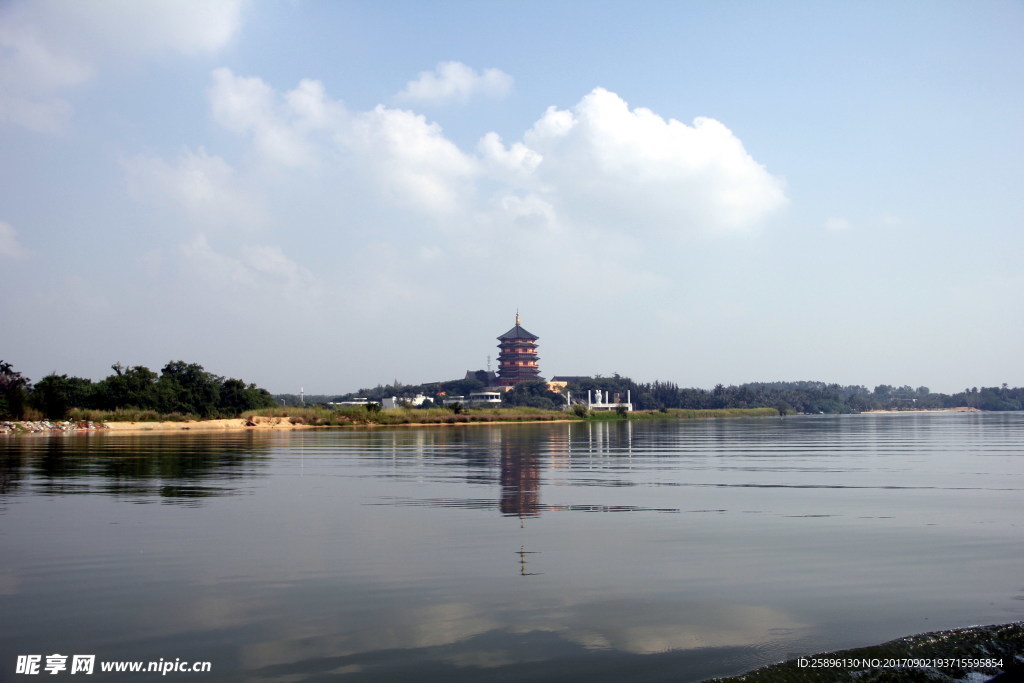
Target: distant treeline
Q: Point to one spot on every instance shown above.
(786, 397)
(819, 397)
(183, 389)
(187, 389)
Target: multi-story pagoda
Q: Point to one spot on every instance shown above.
(517, 361)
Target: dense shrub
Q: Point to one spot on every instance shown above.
(180, 389)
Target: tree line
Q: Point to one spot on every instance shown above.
(180, 388)
(786, 397)
(187, 389)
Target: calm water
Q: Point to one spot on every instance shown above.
(618, 551)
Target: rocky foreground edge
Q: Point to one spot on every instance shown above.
(968, 655)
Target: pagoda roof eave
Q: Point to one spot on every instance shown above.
(517, 332)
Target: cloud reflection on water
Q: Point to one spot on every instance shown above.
(471, 635)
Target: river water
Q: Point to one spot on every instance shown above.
(609, 551)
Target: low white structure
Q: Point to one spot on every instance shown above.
(602, 400)
(484, 397)
(359, 401)
(394, 402)
(477, 398)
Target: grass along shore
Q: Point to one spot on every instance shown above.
(348, 416)
(359, 415)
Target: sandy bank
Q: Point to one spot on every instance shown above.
(257, 423)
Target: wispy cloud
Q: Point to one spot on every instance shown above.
(890, 220)
(835, 224)
(49, 47)
(204, 188)
(255, 268)
(455, 82)
(10, 247)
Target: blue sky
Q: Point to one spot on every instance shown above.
(331, 195)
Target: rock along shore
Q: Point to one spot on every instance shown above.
(68, 426)
(977, 654)
(48, 426)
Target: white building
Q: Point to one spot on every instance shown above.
(359, 401)
(484, 398)
(395, 402)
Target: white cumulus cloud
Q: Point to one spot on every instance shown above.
(408, 159)
(517, 159)
(412, 160)
(605, 163)
(597, 165)
(585, 189)
(279, 125)
(454, 81)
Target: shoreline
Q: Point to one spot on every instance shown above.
(261, 424)
(958, 409)
(286, 423)
(257, 424)
(50, 427)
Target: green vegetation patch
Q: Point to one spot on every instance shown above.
(180, 391)
(371, 414)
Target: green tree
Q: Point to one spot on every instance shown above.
(13, 392)
(462, 387)
(135, 387)
(187, 388)
(55, 395)
(534, 394)
(236, 397)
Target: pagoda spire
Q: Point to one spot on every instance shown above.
(517, 316)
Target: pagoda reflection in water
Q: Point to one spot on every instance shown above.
(520, 481)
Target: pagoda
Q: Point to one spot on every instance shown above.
(517, 360)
